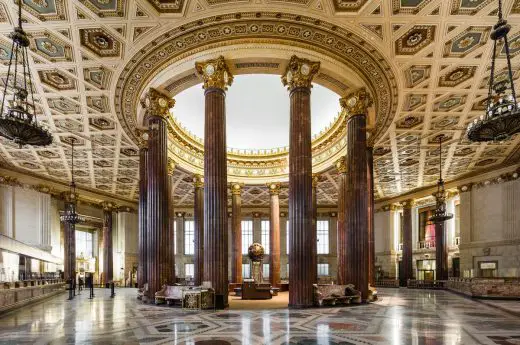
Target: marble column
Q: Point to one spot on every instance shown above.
(198, 222)
(342, 235)
(315, 180)
(170, 257)
(274, 234)
(157, 106)
(69, 261)
(142, 232)
(298, 77)
(441, 252)
(236, 233)
(217, 78)
(108, 246)
(371, 240)
(407, 258)
(356, 201)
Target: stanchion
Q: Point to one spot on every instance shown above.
(112, 290)
(70, 290)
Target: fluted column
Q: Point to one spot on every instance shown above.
(356, 202)
(298, 77)
(274, 234)
(371, 240)
(441, 252)
(157, 106)
(142, 236)
(69, 261)
(342, 235)
(198, 222)
(170, 257)
(407, 258)
(236, 233)
(217, 78)
(315, 180)
(108, 247)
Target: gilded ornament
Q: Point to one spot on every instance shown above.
(408, 203)
(215, 73)
(236, 188)
(341, 165)
(108, 206)
(274, 188)
(356, 103)
(198, 181)
(315, 180)
(299, 72)
(171, 166)
(157, 103)
(142, 138)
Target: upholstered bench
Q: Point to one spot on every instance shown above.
(335, 294)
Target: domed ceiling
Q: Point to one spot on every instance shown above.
(433, 56)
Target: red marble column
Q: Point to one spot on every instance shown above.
(170, 257)
(108, 248)
(217, 78)
(236, 233)
(302, 254)
(407, 258)
(315, 180)
(69, 261)
(342, 236)
(356, 201)
(198, 220)
(274, 235)
(142, 232)
(371, 240)
(157, 105)
(441, 252)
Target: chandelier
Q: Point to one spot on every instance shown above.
(440, 215)
(19, 122)
(71, 216)
(502, 117)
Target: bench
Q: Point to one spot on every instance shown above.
(141, 291)
(335, 294)
(169, 294)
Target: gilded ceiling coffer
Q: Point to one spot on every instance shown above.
(216, 76)
(302, 265)
(160, 259)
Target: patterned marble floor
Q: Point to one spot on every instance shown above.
(401, 317)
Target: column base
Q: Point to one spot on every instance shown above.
(300, 306)
(219, 302)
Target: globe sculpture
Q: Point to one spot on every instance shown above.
(256, 254)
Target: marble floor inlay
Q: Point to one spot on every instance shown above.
(400, 317)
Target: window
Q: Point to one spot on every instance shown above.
(265, 235)
(189, 270)
(246, 271)
(174, 237)
(265, 272)
(84, 243)
(287, 239)
(247, 235)
(189, 233)
(322, 232)
(323, 270)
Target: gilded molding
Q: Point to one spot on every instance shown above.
(341, 165)
(171, 166)
(465, 188)
(157, 103)
(10, 181)
(315, 180)
(69, 197)
(108, 206)
(274, 188)
(236, 188)
(299, 73)
(409, 203)
(198, 181)
(356, 103)
(215, 73)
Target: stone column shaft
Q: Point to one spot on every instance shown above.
(69, 262)
(407, 258)
(342, 235)
(441, 252)
(108, 248)
(371, 240)
(143, 236)
(198, 222)
(236, 234)
(170, 257)
(274, 235)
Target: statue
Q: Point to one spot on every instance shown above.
(256, 254)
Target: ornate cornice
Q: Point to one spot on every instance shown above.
(341, 165)
(274, 188)
(356, 103)
(157, 103)
(236, 188)
(215, 73)
(198, 181)
(299, 73)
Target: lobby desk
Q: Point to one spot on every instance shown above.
(12, 298)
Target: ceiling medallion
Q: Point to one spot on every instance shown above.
(501, 119)
(19, 122)
(440, 214)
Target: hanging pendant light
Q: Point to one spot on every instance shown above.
(19, 122)
(440, 215)
(502, 117)
(71, 216)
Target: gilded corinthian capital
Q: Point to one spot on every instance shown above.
(341, 165)
(299, 72)
(171, 166)
(274, 188)
(157, 103)
(357, 102)
(142, 138)
(215, 73)
(198, 181)
(236, 188)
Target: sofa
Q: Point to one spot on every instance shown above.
(333, 294)
(171, 294)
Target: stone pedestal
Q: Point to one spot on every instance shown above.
(198, 222)
(142, 232)
(274, 234)
(217, 78)
(157, 107)
(298, 77)
(236, 233)
(342, 234)
(108, 248)
(407, 259)
(356, 201)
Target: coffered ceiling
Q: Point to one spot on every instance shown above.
(438, 51)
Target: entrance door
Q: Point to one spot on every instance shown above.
(429, 275)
